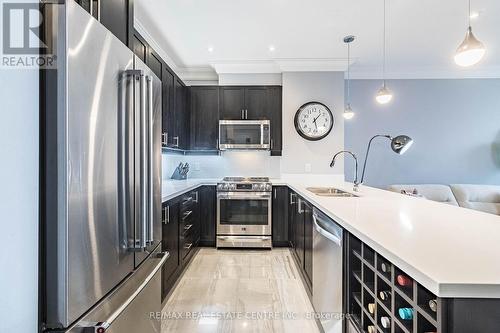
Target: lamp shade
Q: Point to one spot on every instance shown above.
(348, 113)
(470, 52)
(401, 144)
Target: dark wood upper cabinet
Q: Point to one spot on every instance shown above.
(256, 103)
(181, 130)
(116, 15)
(280, 216)
(168, 112)
(154, 62)
(140, 46)
(204, 112)
(276, 117)
(232, 103)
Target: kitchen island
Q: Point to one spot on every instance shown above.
(450, 252)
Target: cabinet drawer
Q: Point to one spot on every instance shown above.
(187, 244)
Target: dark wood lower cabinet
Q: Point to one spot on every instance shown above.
(208, 212)
(170, 243)
(280, 216)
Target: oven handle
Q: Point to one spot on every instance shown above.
(244, 196)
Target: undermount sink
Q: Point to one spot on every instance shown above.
(329, 192)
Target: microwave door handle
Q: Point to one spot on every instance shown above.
(150, 236)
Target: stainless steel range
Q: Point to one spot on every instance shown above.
(244, 212)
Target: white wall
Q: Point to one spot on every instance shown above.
(19, 200)
(298, 89)
(250, 79)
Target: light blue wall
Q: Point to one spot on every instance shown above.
(455, 125)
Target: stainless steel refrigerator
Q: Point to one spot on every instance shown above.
(103, 183)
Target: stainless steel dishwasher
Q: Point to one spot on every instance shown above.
(327, 272)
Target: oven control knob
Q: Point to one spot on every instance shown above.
(268, 187)
(220, 186)
(262, 187)
(232, 187)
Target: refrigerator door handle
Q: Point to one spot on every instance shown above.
(150, 235)
(143, 163)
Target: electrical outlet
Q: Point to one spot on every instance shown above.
(307, 167)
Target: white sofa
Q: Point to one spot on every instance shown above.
(485, 198)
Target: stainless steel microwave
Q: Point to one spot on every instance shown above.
(244, 134)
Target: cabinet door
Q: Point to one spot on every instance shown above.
(207, 215)
(232, 101)
(256, 103)
(140, 47)
(114, 15)
(204, 106)
(280, 216)
(299, 232)
(181, 130)
(292, 209)
(308, 239)
(170, 243)
(276, 114)
(154, 62)
(168, 114)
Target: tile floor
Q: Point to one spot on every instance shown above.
(239, 291)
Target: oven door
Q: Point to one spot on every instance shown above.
(244, 213)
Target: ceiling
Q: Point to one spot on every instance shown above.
(307, 35)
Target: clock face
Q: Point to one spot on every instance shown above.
(313, 121)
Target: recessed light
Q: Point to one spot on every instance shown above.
(474, 15)
(210, 49)
(272, 48)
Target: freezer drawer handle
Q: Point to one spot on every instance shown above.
(101, 327)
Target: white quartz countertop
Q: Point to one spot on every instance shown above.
(452, 251)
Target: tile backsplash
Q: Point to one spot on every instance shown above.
(237, 163)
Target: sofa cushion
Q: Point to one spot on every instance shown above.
(434, 192)
(485, 198)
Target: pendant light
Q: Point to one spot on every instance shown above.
(471, 51)
(384, 95)
(348, 113)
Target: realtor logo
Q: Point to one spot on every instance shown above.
(22, 42)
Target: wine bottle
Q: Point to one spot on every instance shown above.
(386, 268)
(372, 329)
(385, 295)
(404, 281)
(406, 313)
(385, 321)
(433, 305)
(371, 308)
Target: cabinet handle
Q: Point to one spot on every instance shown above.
(272, 143)
(242, 114)
(176, 140)
(166, 212)
(299, 206)
(217, 143)
(188, 246)
(189, 226)
(246, 114)
(291, 198)
(274, 193)
(196, 196)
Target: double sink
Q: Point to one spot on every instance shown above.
(330, 192)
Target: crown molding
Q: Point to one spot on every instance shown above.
(280, 65)
(423, 73)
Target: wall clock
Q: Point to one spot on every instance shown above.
(313, 121)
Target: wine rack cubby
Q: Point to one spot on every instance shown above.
(378, 291)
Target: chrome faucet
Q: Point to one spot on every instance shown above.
(356, 182)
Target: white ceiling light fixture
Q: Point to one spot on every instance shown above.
(471, 51)
(272, 48)
(210, 49)
(384, 95)
(348, 113)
